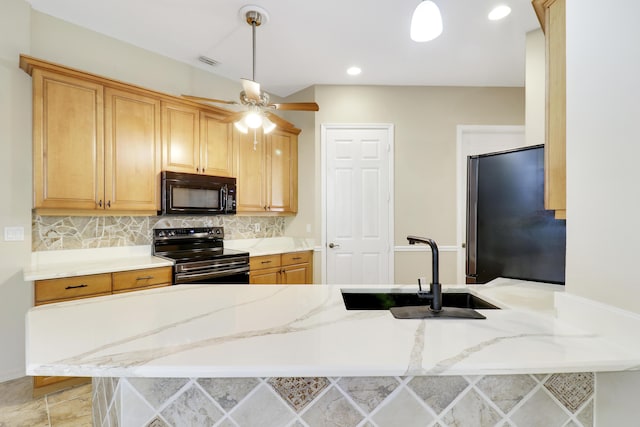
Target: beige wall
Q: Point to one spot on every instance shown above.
(15, 184)
(535, 91)
(425, 120)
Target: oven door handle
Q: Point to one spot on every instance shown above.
(218, 267)
(211, 274)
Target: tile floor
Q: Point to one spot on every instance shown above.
(67, 408)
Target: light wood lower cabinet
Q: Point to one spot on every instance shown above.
(71, 288)
(292, 268)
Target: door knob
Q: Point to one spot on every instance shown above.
(333, 245)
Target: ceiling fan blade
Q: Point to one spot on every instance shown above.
(279, 121)
(251, 89)
(217, 101)
(233, 117)
(298, 106)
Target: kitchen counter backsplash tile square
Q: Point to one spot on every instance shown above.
(52, 233)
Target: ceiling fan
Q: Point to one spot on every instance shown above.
(259, 112)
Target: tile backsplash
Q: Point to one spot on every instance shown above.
(549, 400)
(52, 233)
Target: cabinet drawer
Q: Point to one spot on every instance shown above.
(125, 280)
(266, 261)
(296, 258)
(72, 287)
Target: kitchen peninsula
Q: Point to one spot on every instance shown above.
(271, 355)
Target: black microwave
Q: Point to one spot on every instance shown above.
(192, 194)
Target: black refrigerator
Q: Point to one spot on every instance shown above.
(509, 233)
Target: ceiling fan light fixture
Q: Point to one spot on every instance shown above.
(426, 22)
(253, 120)
(267, 125)
(241, 126)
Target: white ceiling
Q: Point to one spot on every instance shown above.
(314, 42)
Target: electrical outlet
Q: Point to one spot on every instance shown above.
(256, 227)
(308, 228)
(13, 234)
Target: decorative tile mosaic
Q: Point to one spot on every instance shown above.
(52, 233)
(298, 392)
(572, 390)
(440, 401)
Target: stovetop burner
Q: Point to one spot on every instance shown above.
(192, 244)
(200, 257)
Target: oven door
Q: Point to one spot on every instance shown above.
(234, 271)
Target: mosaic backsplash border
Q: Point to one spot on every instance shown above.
(52, 233)
(441, 401)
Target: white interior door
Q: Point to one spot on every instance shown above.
(358, 203)
(473, 140)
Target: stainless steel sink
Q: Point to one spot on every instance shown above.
(383, 299)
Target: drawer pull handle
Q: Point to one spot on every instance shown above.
(266, 262)
(77, 286)
(296, 258)
(144, 278)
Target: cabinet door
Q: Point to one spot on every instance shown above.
(67, 142)
(266, 276)
(132, 151)
(250, 172)
(282, 172)
(216, 146)
(296, 274)
(180, 138)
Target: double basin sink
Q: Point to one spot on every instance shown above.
(385, 299)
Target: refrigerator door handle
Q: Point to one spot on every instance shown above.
(472, 219)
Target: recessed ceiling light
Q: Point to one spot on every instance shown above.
(499, 12)
(354, 71)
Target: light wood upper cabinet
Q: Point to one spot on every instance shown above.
(180, 138)
(250, 172)
(267, 172)
(99, 145)
(216, 146)
(282, 171)
(552, 16)
(68, 167)
(95, 148)
(195, 141)
(132, 150)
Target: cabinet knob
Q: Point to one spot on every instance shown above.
(100, 203)
(109, 204)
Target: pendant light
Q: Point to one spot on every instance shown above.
(426, 22)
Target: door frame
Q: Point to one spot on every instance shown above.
(324, 127)
(461, 177)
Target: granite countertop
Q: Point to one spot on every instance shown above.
(278, 330)
(80, 262)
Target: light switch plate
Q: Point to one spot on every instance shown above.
(13, 234)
